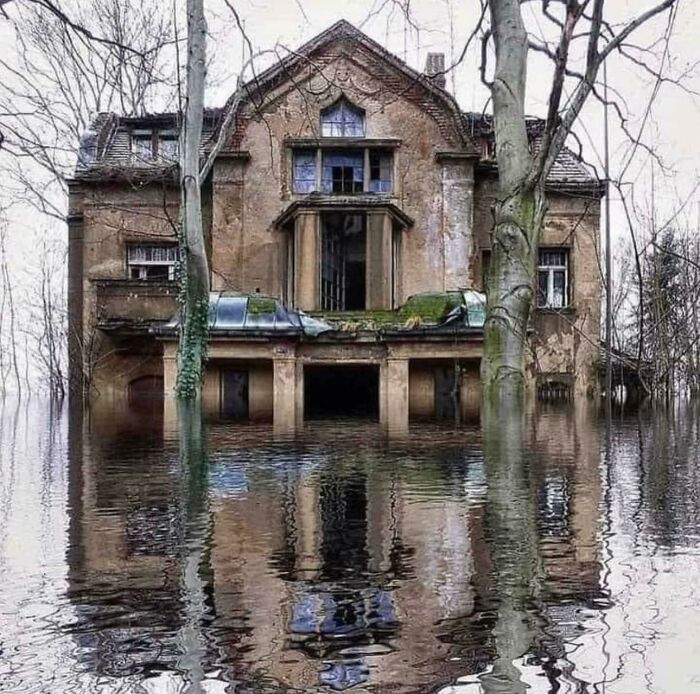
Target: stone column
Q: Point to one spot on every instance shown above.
(470, 392)
(170, 425)
(169, 369)
(393, 396)
(307, 258)
(457, 179)
(285, 386)
(379, 261)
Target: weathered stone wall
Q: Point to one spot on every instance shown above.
(107, 217)
(249, 195)
(565, 341)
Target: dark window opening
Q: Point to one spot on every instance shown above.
(342, 171)
(343, 262)
(341, 391)
(234, 393)
(380, 165)
(446, 392)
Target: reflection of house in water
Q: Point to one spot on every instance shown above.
(336, 558)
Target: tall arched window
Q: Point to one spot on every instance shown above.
(342, 119)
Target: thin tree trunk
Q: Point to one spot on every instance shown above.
(194, 275)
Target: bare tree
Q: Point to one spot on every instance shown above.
(72, 61)
(195, 273)
(521, 201)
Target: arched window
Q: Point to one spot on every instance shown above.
(342, 119)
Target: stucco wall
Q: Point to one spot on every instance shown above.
(564, 341)
(437, 195)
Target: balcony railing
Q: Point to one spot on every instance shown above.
(135, 301)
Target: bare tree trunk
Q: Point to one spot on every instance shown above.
(520, 204)
(194, 275)
(518, 215)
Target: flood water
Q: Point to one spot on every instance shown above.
(557, 555)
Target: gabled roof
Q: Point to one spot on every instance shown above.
(438, 98)
(105, 150)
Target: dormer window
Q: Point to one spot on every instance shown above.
(154, 146)
(342, 119)
(142, 144)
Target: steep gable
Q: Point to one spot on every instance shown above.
(332, 61)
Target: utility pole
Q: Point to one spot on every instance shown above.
(608, 249)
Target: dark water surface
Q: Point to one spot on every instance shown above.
(552, 557)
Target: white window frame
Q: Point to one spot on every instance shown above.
(142, 264)
(550, 270)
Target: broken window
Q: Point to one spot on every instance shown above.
(142, 145)
(552, 278)
(343, 262)
(304, 171)
(342, 119)
(151, 262)
(380, 165)
(343, 171)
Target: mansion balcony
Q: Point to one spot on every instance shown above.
(134, 304)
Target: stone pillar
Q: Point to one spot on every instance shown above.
(379, 261)
(470, 392)
(308, 526)
(169, 369)
(393, 395)
(285, 394)
(307, 258)
(228, 248)
(457, 178)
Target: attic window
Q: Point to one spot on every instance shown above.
(147, 145)
(342, 119)
(151, 262)
(142, 144)
(168, 148)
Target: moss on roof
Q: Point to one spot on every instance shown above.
(419, 309)
(257, 303)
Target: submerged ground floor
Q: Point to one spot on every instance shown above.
(288, 382)
(269, 363)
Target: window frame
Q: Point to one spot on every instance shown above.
(551, 270)
(143, 265)
(364, 154)
(343, 107)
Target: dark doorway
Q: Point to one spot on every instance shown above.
(445, 392)
(234, 393)
(343, 262)
(341, 391)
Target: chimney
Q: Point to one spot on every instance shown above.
(435, 69)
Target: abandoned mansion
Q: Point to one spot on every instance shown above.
(347, 221)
